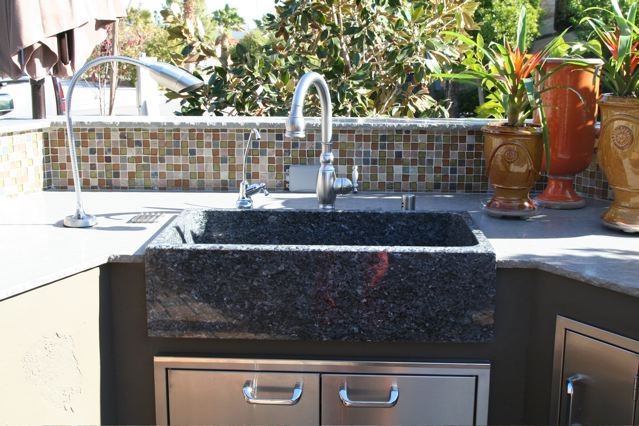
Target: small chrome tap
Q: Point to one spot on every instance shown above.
(328, 184)
(244, 200)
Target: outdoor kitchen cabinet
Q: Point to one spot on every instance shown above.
(245, 391)
(595, 378)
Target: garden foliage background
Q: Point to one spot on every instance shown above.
(377, 56)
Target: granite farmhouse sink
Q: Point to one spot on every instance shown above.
(315, 275)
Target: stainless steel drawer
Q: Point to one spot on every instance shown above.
(388, 399)
(595, 379)
(205, 390)
(242, 397)
(602, 379)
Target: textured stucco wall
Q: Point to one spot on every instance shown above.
(50, 354)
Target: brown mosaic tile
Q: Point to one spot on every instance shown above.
(592, 182)
(23, 163)
(194, 159)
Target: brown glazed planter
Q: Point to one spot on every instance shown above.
(571, 128)
(619, 159)
(513, 161)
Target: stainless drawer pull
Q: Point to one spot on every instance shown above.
(393, 396)
(571, 395)
(250, 390)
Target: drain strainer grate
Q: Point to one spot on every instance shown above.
(147, 217)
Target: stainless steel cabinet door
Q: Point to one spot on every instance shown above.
(410, 400)
(242, 397)
(598, 382)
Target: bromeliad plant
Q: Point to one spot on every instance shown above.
(510, 73)
(621, 40)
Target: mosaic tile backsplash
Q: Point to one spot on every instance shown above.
(22, 168)
(211, 159)
(392, 155)
(592, 182)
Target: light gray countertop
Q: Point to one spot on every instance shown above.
(37, 250)
(385, 124)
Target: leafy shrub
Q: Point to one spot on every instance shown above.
(570, 14)
(497, 19)
(376, 55)
(138, 34)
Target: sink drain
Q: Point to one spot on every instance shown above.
(147, 217)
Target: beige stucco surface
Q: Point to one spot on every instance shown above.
(50, 354)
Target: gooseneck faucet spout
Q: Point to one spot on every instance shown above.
(328, 184)
(170, 76)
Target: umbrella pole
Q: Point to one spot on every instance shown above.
(114, 67)
(38, 107)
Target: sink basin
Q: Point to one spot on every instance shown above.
(315, 275)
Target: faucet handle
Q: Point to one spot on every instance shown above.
(255, 188)
(342, 186)
(354, 178)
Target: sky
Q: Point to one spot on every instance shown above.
(248, 9)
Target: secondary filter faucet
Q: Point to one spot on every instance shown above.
(328, 184)
(244, 200)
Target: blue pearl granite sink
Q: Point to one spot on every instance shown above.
(314, 275)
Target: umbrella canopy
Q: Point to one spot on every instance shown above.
(52, 37)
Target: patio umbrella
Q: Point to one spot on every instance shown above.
(52, 37)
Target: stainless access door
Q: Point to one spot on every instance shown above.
(396, 400)
(242, 397)
(598, 382)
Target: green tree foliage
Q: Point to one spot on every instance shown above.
(187, 32)
(252, 43)
(138, 34)
(498, 19)
(376, 55)
(227, 20)
(571, 14)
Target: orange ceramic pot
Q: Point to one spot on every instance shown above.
(571, 129)
(619, 160)
(513, 161)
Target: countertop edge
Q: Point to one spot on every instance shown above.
(45, 280)
(568, 273)
(376, 123)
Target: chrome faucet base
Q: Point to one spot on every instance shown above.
(80, 220)
(327, 206)
(244, 203)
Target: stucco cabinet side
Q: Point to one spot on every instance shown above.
(50, 356)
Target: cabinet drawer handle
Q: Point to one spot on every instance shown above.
(393, 396)
(250, 390)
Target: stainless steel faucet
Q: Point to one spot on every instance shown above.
(244, 200)
(328, 184)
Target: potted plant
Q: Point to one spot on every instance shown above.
(619, 136)
(513, 149)
(571, 113)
